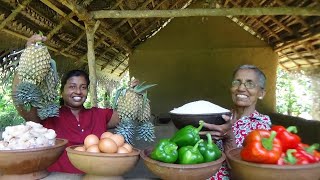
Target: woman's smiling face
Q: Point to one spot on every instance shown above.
(243, 96)
(75, 91)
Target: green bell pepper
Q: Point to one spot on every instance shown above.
(188, 135)
(165, 151)
(209, 150)
(190, 154)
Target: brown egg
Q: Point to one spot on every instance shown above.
(128, 147)
(80, 148)
(90, 140)
(107, 145)
(122, 150)
(106, 135)
(94, 148)
(118, 139)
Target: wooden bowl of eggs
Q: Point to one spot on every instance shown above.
(103, 157)
(29, 163)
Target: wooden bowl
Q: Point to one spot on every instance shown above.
(169, 171)
(103, 165)
(29, 163)
(182, 120)
(242, 170)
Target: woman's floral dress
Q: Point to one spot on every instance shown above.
(240, 129)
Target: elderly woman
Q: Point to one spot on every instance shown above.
(247, 87)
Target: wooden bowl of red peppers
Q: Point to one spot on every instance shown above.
(275, 154)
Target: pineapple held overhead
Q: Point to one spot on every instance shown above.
(34, 63)
(37, 71)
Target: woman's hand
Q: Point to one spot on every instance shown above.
(134, 83)
(36, 38)
(219, 131)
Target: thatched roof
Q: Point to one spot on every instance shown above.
(293, 33)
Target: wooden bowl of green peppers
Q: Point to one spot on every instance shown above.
(181, 171)
(184, 156)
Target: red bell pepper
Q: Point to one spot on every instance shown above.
(293, 157)
(261, 146)
(287, 138)
(310, 151)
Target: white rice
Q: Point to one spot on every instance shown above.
(199, 107)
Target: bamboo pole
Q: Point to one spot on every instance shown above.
(90, 31)
(83, 15)
(14, 13)
(297, 41)
(59, 26)
(49, 47)
(206, 12)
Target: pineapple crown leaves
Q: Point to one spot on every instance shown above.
(27, 94)
(141, 87)
(48, 110)
(40, 42)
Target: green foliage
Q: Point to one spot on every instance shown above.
(293, 93)
(10, 118)
(106, 91)
(8, 115)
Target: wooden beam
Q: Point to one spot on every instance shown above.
(74, 42)
(14, 13)
(114, 58)
(49, 47)
(297, 41)
(58, 27)
(85, 16)
(124, 59)
(206, 12)
(125, 69)
(76, 23)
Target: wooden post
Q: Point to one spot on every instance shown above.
(206, 12)
(90, 30)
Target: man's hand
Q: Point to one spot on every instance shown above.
(36, 38)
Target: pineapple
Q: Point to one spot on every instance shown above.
(34, 64)
(38, 81)
(128, 104)
(144, 112)
(145, 127)
(48, 86)
(128, 101)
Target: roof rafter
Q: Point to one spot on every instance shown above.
(205, 12)
(86, 17)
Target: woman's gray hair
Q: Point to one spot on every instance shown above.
(261, 76)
